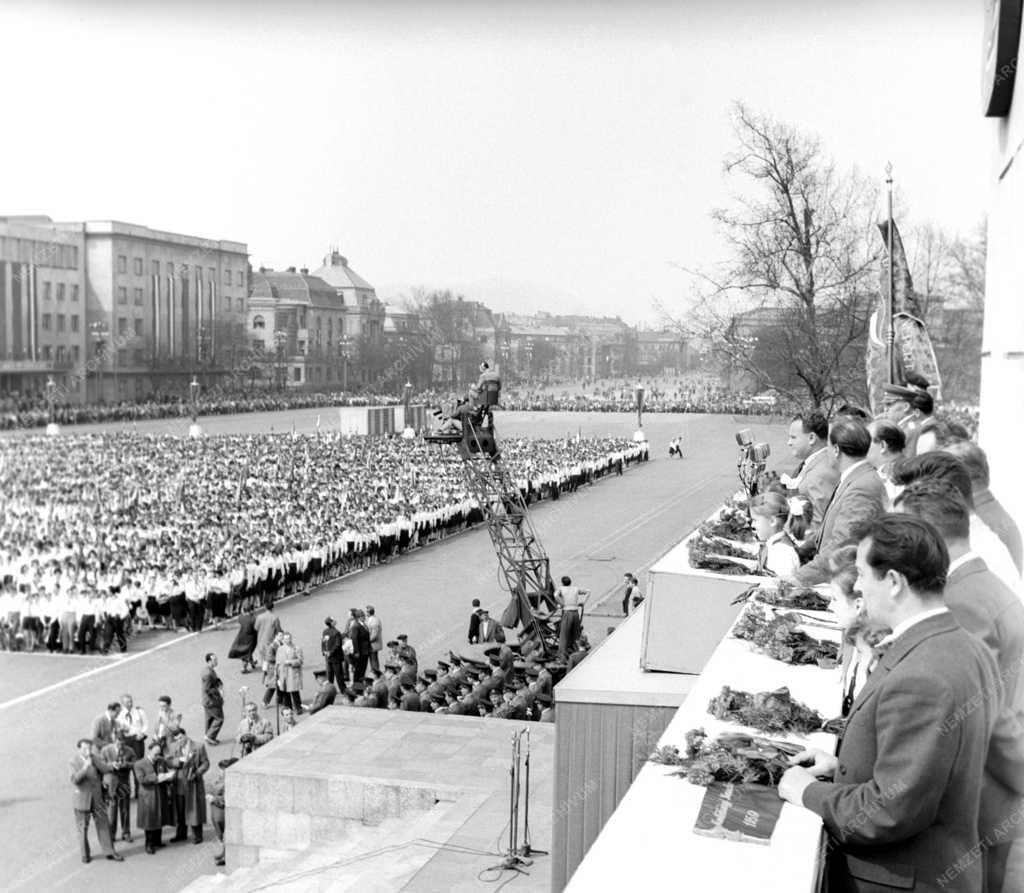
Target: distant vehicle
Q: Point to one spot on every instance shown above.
(763, 400)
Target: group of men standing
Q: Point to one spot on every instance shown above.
(165, 771)
(926, 790)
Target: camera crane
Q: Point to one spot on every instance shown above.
(522, 561)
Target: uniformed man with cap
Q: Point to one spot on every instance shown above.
(326, 691)
(468, 701)
(379, 690)
(903, 406)
(497, 699)
(410, 699)
(444, 678)
(523, 696)
(458, 668)
(514, 707)
(392, 657)
(547, 713)
(423, 682)
(406, 650)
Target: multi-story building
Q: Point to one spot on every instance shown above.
(162, 308)
(660, 351)
(43, 321)
(297, 325)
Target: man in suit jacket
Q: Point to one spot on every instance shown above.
(104, 726)
(490, 630)
(985, 606)
(86, 772)
(153, 808)
(267, 628)
(213, 699)
(474, 623)
(859, 496)
(120, 758)
(902, 805)
(816, 477)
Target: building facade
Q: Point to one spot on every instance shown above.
(295, 327)
(1002, 355)
(161, 309)
(43, 321)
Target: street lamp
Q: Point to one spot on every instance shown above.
(280, 339)
(639, 436)
(344, 347)
(52, 428)
(98, 332)
(409, 431)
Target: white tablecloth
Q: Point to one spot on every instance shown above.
(649, 842)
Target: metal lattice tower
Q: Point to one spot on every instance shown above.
(524, 565)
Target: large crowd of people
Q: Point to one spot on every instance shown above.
(20, 412)
(104, 533)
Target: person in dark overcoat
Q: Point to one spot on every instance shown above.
(245, 641)
(152, 780)
(190, 762)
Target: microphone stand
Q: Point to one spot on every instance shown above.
(526, 849)
(513, 861)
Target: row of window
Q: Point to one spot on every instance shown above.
(46, 321)
(62, 354)
(172, 269)
(61, 291)
(138, 298)
(42, 254)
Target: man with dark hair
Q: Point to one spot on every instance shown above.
(816, 477)
(983, 605)
(474, 622)
(213, 699)
(87, 771)
(989, 509)
(858, 498)
(331, 646)
(943, 466)
(887, 445)
(902, 801)
(104, 725)
(628, 590)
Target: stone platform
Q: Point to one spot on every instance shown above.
(382, 800)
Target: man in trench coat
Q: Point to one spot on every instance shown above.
(190, 762)
(153, 810)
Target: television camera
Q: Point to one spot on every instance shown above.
(752, 460)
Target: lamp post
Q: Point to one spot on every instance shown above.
(193, 394)
(99, 333)
(280, 340)
(409, 433)
(52, 428)
(344, 348)
(639, 436)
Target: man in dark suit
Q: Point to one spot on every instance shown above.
(87, 771)
(989, 509)
(858, 498)
(410, 698)
(213, 699)
(153, 808)
(985, 606)
(325, 694)
(120, 758)
(104, 726)
(902, 805)
(474, 623)
(490, 630)
(816, 476)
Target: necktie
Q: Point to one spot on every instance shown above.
(879, 652)
(762, 557)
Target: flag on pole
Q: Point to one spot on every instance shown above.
(913, 347)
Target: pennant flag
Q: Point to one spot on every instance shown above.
(913, 348)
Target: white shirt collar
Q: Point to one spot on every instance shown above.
(900, 628)
(961, 561)
(849, 470)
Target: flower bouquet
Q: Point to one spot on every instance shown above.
(777, 636)
(785, 595)
(726, 543)
(731, 757)
(767, 711)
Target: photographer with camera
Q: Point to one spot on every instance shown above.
(253, 730)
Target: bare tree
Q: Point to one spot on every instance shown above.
(949, 279)
(791, 307)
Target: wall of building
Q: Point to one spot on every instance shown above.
(42, 308)
(1002, 365)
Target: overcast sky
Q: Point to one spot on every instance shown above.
(534, 155)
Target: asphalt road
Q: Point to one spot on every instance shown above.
(620, 524)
